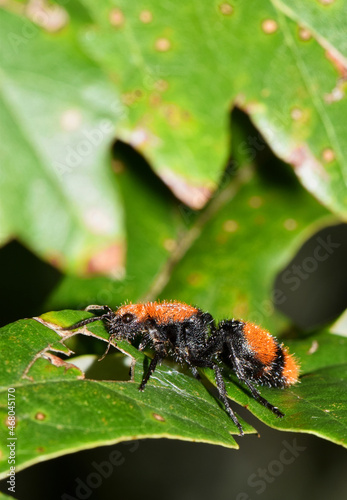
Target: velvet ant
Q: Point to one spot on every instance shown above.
(191, 336)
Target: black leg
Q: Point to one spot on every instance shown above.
(262, 400)
(157, 359)
(195, 372)
(213, 346)
(209, 320)
(242, 377)
(144, 342)
(223, 395)
(87, 321)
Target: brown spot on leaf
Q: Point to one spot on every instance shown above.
(40, 416)
(170, 244)
(255, 201)
(162, 44)
(230, 226)
(155, 99)
(109, 261)
(296, 114)
(194, 196)
(161, 85)
(118, 166)
(290, 224)
(328, 155)
(40, 449)
(132, 97)
(175, 115)
(146, 16)
(128, 98)
(116, 18)
(226, 9)
(269, 26)
(158, 417)
(304, 34)
(51, 18)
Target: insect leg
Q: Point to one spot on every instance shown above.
(223, 395)
(243, 378)
(157, 359)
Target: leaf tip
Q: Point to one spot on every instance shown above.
(194, 196)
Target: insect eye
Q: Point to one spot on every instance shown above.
(128, 318)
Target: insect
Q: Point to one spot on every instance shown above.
(192, 336)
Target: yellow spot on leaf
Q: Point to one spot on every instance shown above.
(255, 202)
(290, 224)
(230, 226)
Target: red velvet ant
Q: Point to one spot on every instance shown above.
(191, 336)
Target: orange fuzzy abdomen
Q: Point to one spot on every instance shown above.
(261, 342)
(266, 350)
(290, 368)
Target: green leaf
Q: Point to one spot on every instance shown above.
(240, 245)
(319, 350)
(324, 19)
(139, 75)
(317, 405)
(58, 129)
(174, 405)
(5, 497)
(152, 224)
(58, 119)
(186, 69)
(58, 411)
